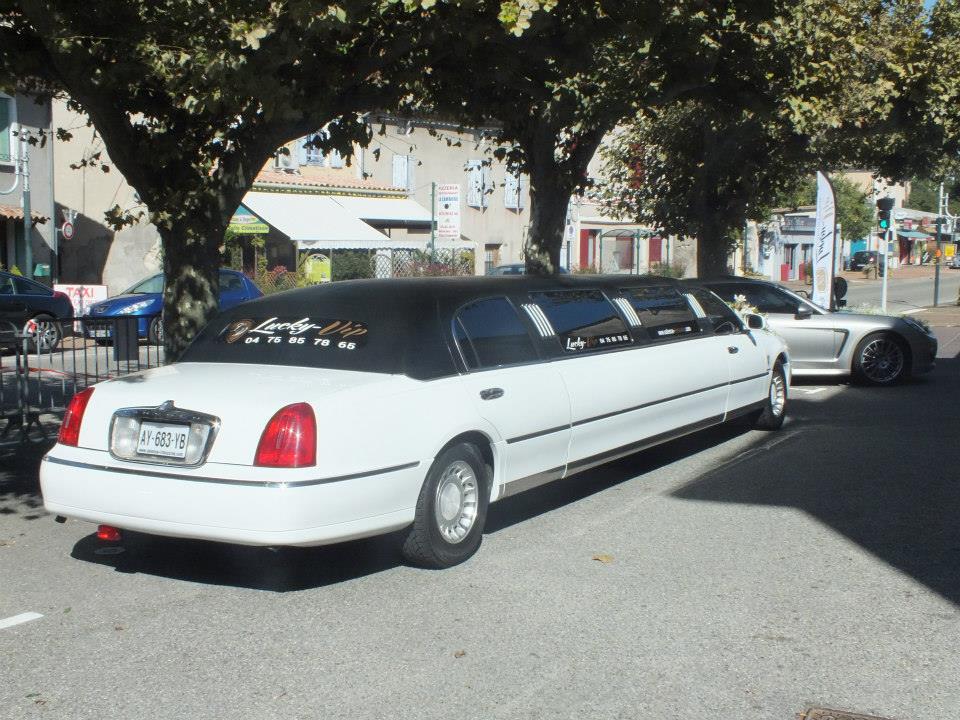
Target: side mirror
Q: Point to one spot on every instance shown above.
(756, 322)
(803, 313)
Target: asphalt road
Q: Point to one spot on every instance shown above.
(904, 294)
(733, 574)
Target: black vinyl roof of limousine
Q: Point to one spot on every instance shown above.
(455, 288)
(404, 318)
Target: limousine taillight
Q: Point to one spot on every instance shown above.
(73, 417)
(290, 438)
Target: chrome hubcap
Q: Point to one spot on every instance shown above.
(882, 360)
(778, 394)
(46, 335)
(455, 506)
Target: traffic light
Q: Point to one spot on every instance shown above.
(884, 206)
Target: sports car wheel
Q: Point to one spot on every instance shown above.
(451, 510)
(880, 359)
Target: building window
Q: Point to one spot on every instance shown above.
(514, 189)
(403, 171)
(313, 155)
(6, 129)
(491, 257)
(475, 184)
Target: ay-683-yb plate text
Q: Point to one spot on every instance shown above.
(163, 440)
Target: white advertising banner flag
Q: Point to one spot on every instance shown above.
(448, 212)
(823, 243)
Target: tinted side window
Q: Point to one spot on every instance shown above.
(583, 319)
(764, 298)
(7, 286)
(150, 285)
(25, 287)
(490, 333)
(721, 316)
(663, 311)
(229, 281)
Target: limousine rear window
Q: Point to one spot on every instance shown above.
(377, 327)
(663, 311)
(490, 333)
(584, 320)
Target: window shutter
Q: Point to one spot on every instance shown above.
(411, 165)
(336, 159)
(521, 192)
(487, 185)
(474, 184)
(400, 171)
(511, 187)
(301, 151)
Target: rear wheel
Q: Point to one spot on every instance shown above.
(451, 510)
(775, 406)
(880, 359)
(47, 334)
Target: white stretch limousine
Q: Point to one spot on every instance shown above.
(357, 408)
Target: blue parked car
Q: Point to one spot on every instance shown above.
(145, 302)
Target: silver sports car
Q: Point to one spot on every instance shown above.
(874, 349)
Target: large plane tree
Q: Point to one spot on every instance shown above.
(581, 69)
(191, 99)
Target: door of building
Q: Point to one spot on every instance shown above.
(655, 249)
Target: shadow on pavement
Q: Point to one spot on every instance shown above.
(258, 568)
(877, 465)
(547, 498)
(19, 479)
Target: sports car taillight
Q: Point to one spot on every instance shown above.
(290, 438)
(70, 427)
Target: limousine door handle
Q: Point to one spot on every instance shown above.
(733, 350)
(491, 393)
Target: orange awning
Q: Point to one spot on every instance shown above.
(15, 213)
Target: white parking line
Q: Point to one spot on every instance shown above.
(811, 391)
(17, 619)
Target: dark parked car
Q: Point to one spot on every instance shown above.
(862, 258)
(145, 302)
(28, 306)
(514, 269)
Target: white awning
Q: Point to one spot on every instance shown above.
(385, 210)
(315, 221)
(324, 222)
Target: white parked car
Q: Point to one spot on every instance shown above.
(358, 408)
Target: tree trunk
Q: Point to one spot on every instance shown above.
(191, 265)
(548, 214)
(713, 251)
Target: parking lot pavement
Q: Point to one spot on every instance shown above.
(732, 574)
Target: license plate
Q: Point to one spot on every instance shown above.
(163, 440)
(100, 333)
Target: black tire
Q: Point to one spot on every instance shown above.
(48, 335)
(155, 331)
(775, 407)
(456, 491)
(880, 359)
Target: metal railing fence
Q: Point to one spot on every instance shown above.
(42, 367)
